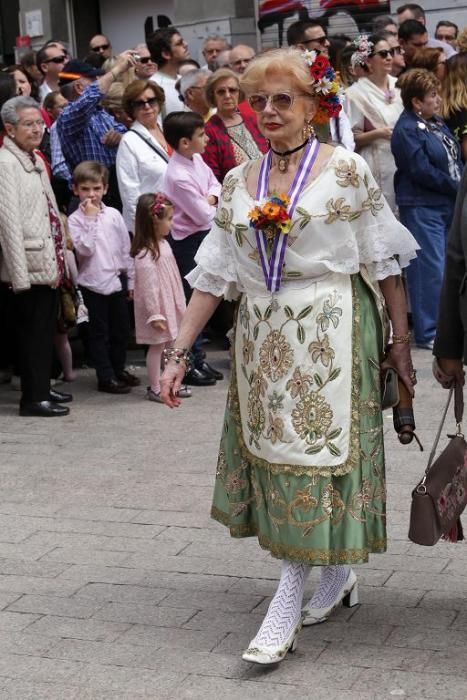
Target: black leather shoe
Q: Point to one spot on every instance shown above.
(129, 379)
(114, 386)
(210, 371)
(44, 409)
(197, 378)
(59, 396)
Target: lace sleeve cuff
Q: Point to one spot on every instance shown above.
(216, 271)
(213, 284)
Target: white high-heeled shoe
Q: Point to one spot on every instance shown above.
(348, 594)
(272, 655)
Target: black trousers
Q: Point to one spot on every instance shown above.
(184, 252)
(35, 317)
(109, 332)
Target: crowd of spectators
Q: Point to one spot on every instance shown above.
(404, 111)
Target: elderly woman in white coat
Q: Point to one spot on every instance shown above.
(143, 152)
(32, 259)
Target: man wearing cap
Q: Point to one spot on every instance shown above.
(86, 131)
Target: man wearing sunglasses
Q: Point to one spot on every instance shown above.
(50, 60)
(309, 35)
(101, 45)
(144, 66)
(168, 49)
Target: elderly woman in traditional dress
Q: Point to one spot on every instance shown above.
(374, 105)
(301, 463)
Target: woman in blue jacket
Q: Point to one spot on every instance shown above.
(426, 182)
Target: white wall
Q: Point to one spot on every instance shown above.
(123, 21)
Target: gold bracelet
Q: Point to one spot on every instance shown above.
(403, 339)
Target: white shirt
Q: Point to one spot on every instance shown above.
(345, 136)
(44, 90)
(172, 102)
(140, 168)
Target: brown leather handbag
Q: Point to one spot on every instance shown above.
(441, 496)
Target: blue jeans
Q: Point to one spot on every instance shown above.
(429, 226)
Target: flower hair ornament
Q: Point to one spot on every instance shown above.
(324, 83)
(160, 202)
(363, 50)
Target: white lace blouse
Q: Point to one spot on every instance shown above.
(341, 223)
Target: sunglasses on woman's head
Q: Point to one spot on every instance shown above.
(384, 53)
(139, 104)
(280, 101)
(227, 90)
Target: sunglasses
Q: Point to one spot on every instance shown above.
(56, 59)
(221, 92)
(102, 47)
(321, 40)
(280, 101)
(139, 104)
(145, 59)
(384, 53)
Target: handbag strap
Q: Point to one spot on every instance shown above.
(148, 143)
(457, 390)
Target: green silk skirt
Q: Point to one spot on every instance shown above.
(307, 518)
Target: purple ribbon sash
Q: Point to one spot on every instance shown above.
(272, 266)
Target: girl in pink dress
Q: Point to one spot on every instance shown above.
(158, 296)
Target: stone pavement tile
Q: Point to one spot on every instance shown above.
(94, 630)
(178, 563)
(376, 657)
(78, 541)
(33, 509)
(145, 614)
(174, 517)
(247, 623)
(399, 616)
(179, 638)
(96, 527)
(460, 623)
(37, 668)
(418, 685)
(8, 598)
(16, 621)
(107, 592)
(419, 638)
(298, 669)
(349, 632)
(372, 577)
(441, 550)
(13, 689)
(54, 605)
(450, 662)
(114, 678)
(122, 515)
(18, 567)
(208, 600)
(182, 498)
(195, 687)
(24, 642)
(408, 562)
(439, 582)
(81, 574)
(406, 597)
(181, 581)
(439, 600)
(72, 555)
(23, 550)
(236, 551)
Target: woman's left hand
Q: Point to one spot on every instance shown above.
(400, 359)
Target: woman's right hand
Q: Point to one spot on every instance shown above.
(446, 371)
(385, 132)
(171, 382)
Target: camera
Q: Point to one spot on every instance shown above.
(136, 56)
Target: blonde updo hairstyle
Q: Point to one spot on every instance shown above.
(288, 63)
(214, 78)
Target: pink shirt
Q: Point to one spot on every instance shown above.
(187, 183)
(102, 246)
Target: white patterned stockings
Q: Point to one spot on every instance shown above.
(332, 580)
(284, 611)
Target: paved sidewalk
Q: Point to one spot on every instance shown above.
(115, 584)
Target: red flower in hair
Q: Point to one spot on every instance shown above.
(319, 67)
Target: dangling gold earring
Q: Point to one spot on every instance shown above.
(308, 130)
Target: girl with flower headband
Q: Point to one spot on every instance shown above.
(158, 296)
(305, 242)
(373, 105)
